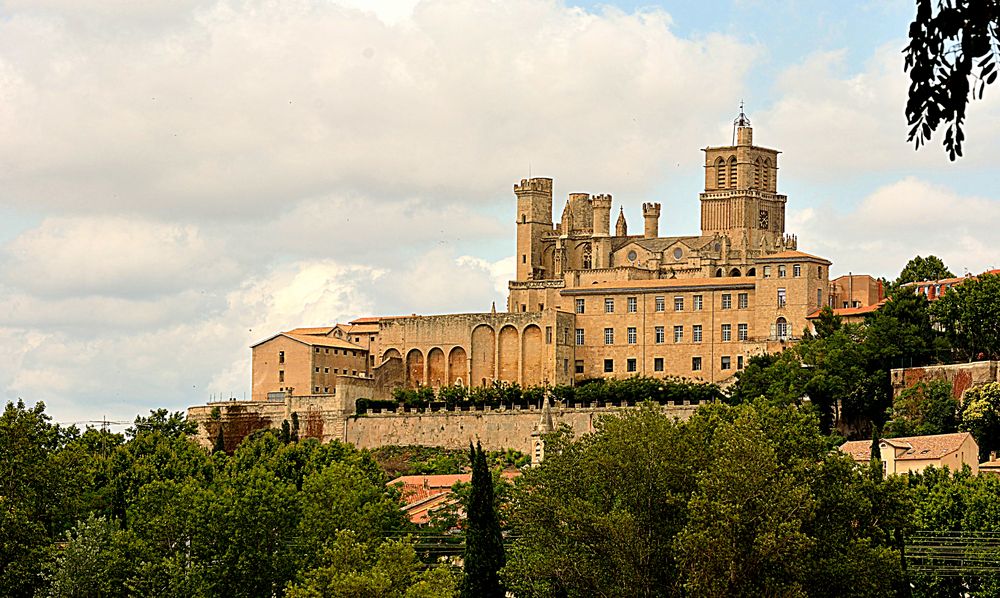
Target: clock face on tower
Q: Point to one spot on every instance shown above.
(763, 219)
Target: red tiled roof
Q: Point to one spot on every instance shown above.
(792, 255)
(850, 311)
(314, 340)
(321, 331)
(917, 448)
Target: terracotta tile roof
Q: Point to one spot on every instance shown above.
(314, 340)
(951, 281)
(792, 255)
(917, 448)
(321, 331)
(850, 311)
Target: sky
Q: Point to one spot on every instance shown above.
(182, 178)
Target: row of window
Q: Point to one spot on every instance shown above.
(327, 351)
(783, 271)
(336, 371)
(631, 364)
(660, 302)
(632, 334)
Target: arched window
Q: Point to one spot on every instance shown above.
(752, 272)
(767, 174)
(781, 328)
(587, 261)
(732, 172)
(756, 173)
(734, 272)
(720, 173)
(718, 273)
(523, 218)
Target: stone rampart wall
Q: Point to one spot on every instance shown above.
(961, 376)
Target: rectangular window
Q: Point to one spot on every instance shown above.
(326, 370)
(609, 366)
(632, 337)
(354, 372)
(281, 375)
(579, 336)
(548, 335)
(726, 363)
(767, 271)
(317, 370)
(524, 307)
(696, 333)
(819, 297)
(630, 365)
(727, 332)
(743, 300)
(696, 364)
(579, 306)
(326, 390)
(660, 335)
(281, 357)
(317, 349)
(742, 332)
(797, 270)
(661, 304)
(739, 362)
(541, 307)
(678, 334)
(698, 302)
(316, 390)
(678, 303)
(565, 366)
(658, 364)
(609, 336)
(578, 366)
(727, 301)
(609, 306)
(632, 304)
(781, 271)
(327, 351)
(781, 297)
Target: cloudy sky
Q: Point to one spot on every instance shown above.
(181, 178)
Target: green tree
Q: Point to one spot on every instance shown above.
(94, 562)
(981, 417)
(970, 316)
(948, 47)
(484, 550)
(924, 409)
(923, 268)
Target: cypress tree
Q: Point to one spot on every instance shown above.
(286, 432)
(220, 441)
(876, 454)
(484, 553)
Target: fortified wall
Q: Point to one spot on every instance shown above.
(325, 418)
(961, 376)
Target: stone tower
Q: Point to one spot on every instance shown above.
(740, 198)
(534, 220)
(651, 217)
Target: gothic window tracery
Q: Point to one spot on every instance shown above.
(587, 258)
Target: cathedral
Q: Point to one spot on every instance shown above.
(588, 303)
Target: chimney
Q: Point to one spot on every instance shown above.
(651, 215)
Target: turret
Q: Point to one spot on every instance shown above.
(621, 227)
(601, 204)
(534, 220)
(651, 217)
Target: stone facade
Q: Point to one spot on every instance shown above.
(961, 376)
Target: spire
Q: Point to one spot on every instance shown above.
(621, 227)
(742, 132)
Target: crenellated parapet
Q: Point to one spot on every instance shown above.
(535, 185)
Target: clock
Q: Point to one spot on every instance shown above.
(763, 219)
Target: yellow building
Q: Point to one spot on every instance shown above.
(917, 453)
(587, 303)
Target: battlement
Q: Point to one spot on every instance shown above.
(534, 185)
(650, 209)
(601, 201)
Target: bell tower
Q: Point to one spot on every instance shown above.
(534, 220)
(741, 183)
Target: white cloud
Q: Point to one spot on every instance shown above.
(241, 109)
(899, 221)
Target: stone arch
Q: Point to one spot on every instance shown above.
(435, 367)
(458, 364)
(781, 327)
(391, 354)
(531, 354)
(719, 273)
(414, 368)
(720, 173)
(735, 272)
(483, 355)
(752, 272)
(508, 359)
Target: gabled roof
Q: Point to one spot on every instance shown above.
(314, 340)
(850, 311)
(916, 448)
(793, 256)
(321, 331)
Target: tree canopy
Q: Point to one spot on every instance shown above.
(951, 58)
(923, 268)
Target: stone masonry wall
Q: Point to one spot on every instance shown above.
(962, 376)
